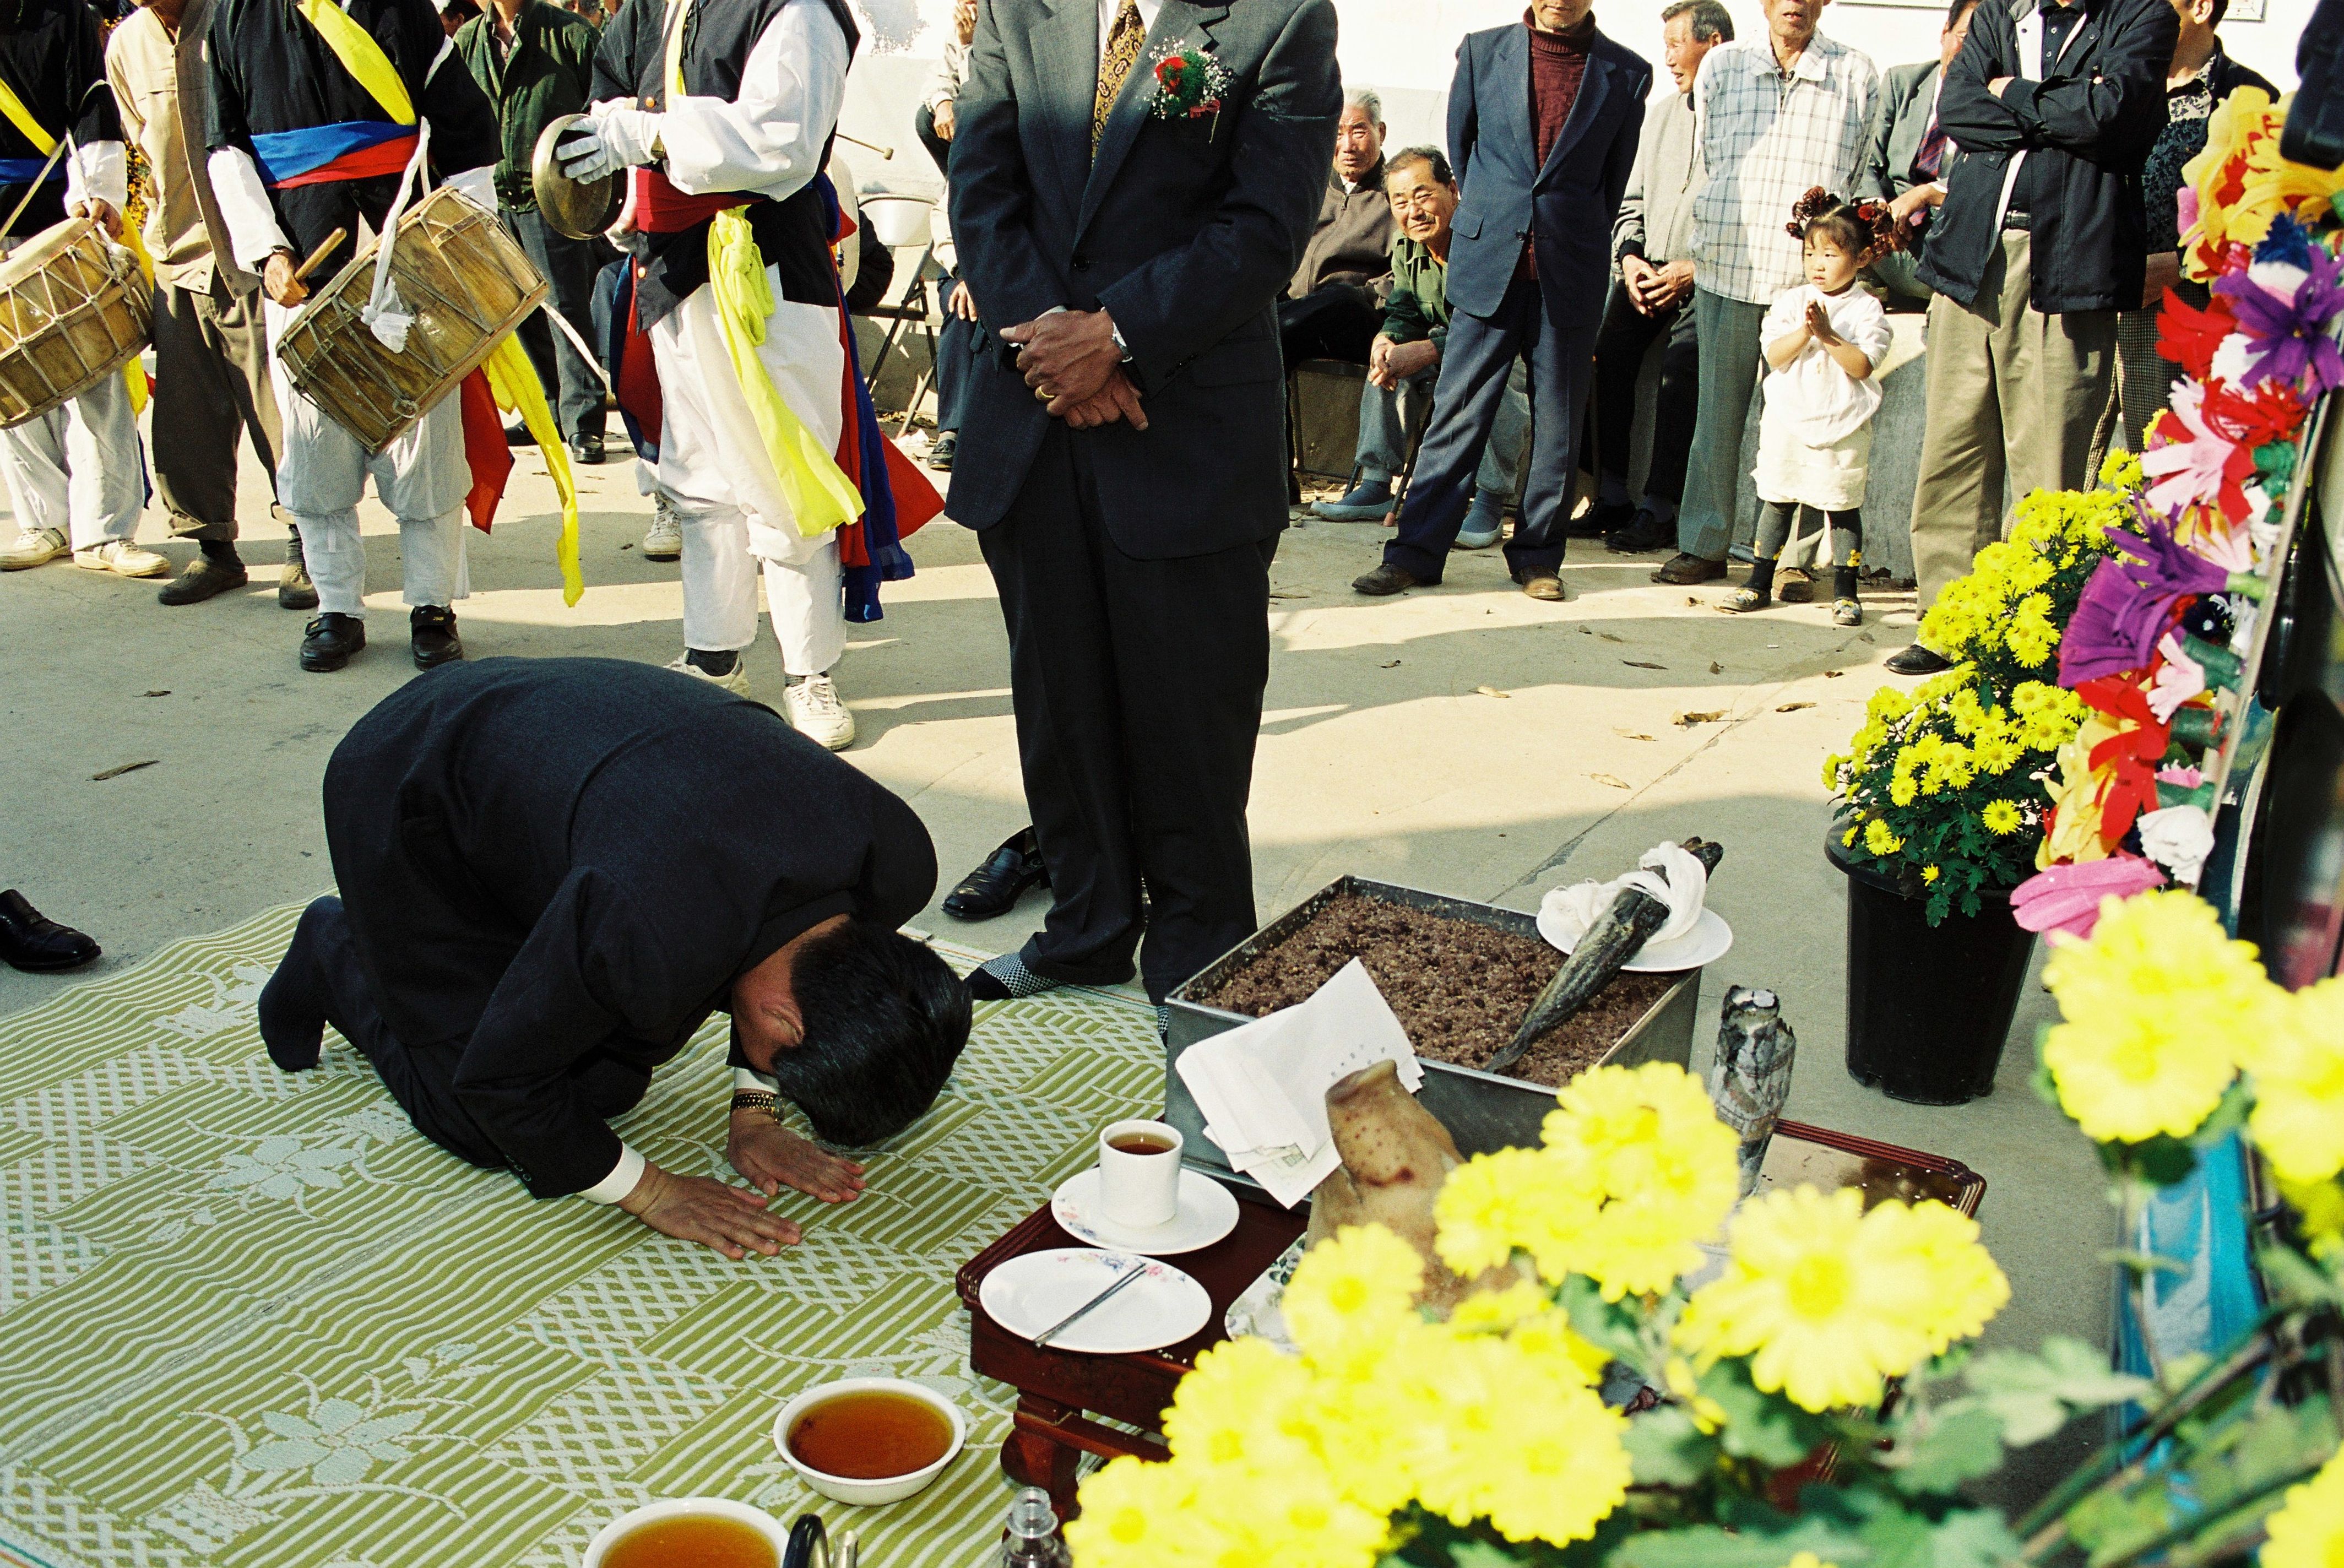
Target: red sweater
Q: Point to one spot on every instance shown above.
(1558, 65)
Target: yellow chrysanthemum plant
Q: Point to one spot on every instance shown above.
(1759, 1342)
(1946, 788)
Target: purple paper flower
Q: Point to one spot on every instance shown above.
(2128, 604)
(2287, 335)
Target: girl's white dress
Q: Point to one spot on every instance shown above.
(1814, 438)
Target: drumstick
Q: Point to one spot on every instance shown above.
(325, 249)
(886, 153)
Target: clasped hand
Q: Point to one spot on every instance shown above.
(1070, 360)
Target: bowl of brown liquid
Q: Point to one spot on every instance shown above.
(690, 1533)
(869, 1439)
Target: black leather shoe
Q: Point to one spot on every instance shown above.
(1645, 532)
(332, 638)
(943, 449)
(1601, 521)
(202, 578)
(31, 941)
(994, 887)
(1683, 569)
(517, 435)
(586, 447)
(432, 632)
(1914, 660)
(1387, 579)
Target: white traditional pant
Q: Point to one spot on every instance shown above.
(79, 468)
(736, 523)
(421, 478)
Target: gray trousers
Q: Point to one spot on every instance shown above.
(211, 385)
(1727, 332)
(1385, 418)
(2014, 398)
(570, 267)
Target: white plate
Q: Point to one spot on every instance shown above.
(1026, 1295)
(1706, 942)
(1208, 1211)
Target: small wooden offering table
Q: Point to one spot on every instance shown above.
(1057, 1388)
(1060, 1391)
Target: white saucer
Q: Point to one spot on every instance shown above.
(1208, 1211)
(1706, 942)
(1028, 1295)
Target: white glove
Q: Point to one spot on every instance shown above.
(617, 140)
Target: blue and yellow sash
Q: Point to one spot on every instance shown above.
(348, 149)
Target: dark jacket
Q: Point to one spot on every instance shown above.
(51, 61)
(1352, 239)
(2092, 115)
(1900, 121)
(1564, 206)
(508, 901)
(1185, 231)
(548, 74)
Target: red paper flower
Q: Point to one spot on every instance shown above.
(2273, 411)
(2129, 759)
(2189, 336)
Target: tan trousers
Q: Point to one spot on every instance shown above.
(2015, 396)
(211, 384)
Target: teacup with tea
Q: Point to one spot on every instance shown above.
(1139, 1173)
(690, 1533)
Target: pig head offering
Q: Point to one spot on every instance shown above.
(1396, 1154)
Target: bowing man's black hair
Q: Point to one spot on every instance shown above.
(885, 1018)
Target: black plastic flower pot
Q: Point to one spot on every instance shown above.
(1928, 1006)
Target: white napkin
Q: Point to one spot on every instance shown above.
(1669, 871)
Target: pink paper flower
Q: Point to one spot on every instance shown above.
(2065, 899)
(2178, 679)
(2190, 461)
(2181, 775)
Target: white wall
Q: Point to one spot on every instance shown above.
(1405, 50)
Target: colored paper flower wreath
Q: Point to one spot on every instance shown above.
(2188, 336)
(2190, 461)
(2285, 313)
(2131, 601)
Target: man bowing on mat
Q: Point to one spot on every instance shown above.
(1133, 184)
(517, 944)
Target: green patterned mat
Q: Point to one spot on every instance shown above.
(253, 1320)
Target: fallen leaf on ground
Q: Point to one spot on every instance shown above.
(1612, 779)
(1288, 594)
(1793, 707)
(627, 546)
(1609, 638)
(1715, 668)
(1690, 600)
(165, 693)
(1833, 674)
(1643, 664)
(1689, 720)
(1393, 666)
(125, 768)
(1491, 692)
(1629, 733)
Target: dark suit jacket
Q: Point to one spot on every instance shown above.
(1185, 231)
(1908, 96)
(1564, 206)
(2093, 114)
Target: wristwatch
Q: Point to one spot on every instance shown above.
(1121, 347)
(758, 1100)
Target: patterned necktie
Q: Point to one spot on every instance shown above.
(1930, 161)
(1122, 41)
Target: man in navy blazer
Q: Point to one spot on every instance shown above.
(1543, 120)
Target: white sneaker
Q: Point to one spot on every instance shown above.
(815, 713)
(121, 556)
(34, 547)
(735, 679)
(663, 541)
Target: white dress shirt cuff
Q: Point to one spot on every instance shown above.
(621, 1180)
(749, 1080)
(252, 230)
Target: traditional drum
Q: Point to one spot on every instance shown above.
(464, 282)
(73, 311)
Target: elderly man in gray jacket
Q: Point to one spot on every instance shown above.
(1652, 240)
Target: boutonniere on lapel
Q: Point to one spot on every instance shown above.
(1189, 83)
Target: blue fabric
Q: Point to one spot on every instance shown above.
(880, 541)
(2201, 1223)
(25, 170)
(614, 306)
(285, 154)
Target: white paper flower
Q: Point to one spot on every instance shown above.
(2178, 838)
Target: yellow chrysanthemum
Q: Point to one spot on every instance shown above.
(1902, 790)
(2319, 1206)
(1355, 1285)
(1514, 1441)
(1659, 1165)
(1137, 1515)
(2308, 1529)
(1515, 1198)
(1685, 1387)
(2153, 1002)
(1809, 1560)
(2121, 470)
(1929, 874)
(1303, 1516)
(1829, 1301)
(2299, 1070)
(2002, 818)
(1245, 1404)
(1878, 839)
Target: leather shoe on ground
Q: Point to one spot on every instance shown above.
(517, 435)
(943, 449)
(431, 635)
(1387, 579)
(994, 887)
(1682, 569)
(31, 941)
(202, 578)
(331, 639)
(1539, 582)
(586, 447)
(1646, 532)
(1601, 521)
(294, 589)
(1914, 660)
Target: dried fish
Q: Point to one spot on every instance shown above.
(1618, 935)
(1751, 1078)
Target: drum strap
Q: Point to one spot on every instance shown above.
(360, 56)
(22, 118)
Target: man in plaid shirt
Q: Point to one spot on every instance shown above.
(1775, 116)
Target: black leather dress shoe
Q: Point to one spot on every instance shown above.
(431, 633)
(992, 888)
(332, 638)
(1915, 659)
(586, 447)
(1600, 520)
(1643, 532)
(31, 941)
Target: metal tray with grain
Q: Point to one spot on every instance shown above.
(1482, 1111)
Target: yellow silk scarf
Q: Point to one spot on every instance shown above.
(512, 380)
(360, 56)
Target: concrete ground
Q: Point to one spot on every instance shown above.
(1463, 739)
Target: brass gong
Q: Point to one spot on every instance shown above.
(582, 210)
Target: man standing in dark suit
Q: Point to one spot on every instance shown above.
(1543, 120)
(1131, 236)
(1904, 160)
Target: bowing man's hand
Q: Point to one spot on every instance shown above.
(773, 1157)
(1116, 399)
(1066, 356)
(694, 1209)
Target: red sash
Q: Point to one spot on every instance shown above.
(660, 209)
